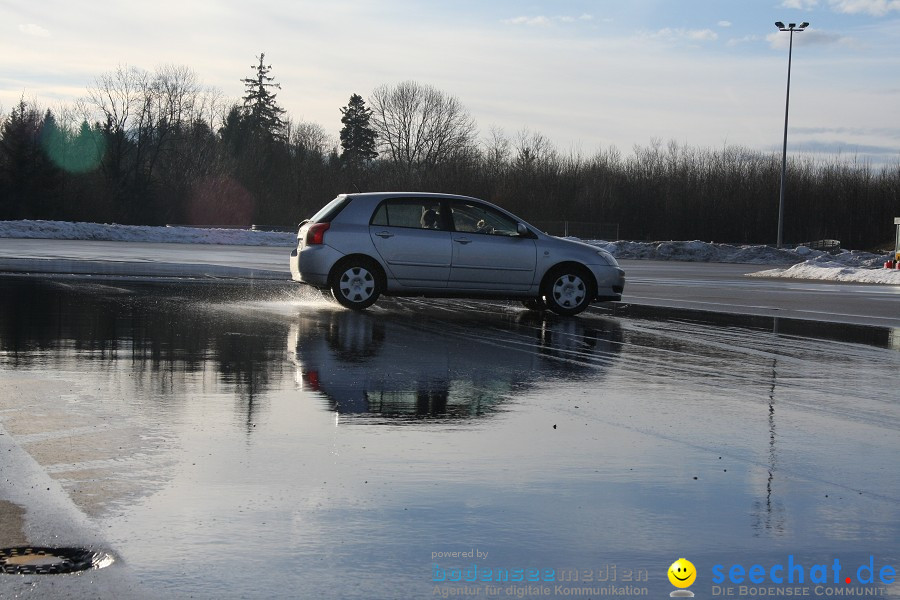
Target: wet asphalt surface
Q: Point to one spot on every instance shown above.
(716, 287)
(255, 440)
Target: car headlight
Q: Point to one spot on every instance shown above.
(607, 258)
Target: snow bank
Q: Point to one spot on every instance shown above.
(855, 266)
(139, 233)
(849, 265)
(835, 269)
(696, 251)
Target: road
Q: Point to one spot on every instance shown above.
(227, 440)
(725, 288)
(244, 437)
(699, 286)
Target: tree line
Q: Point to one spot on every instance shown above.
(160, 147)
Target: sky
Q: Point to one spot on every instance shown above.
(588, 75)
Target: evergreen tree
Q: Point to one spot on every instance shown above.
(357, 137)
(261, 111)
(27, 177)
(87, 150)
(233, 131)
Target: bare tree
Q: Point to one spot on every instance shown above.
(497, 148)
(178, 94)
(310, 137)
(419, 125)
(135, 101)
(116, 95)
(156, 132)
(534, 150)
(120, 101)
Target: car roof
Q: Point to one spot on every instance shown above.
(378, 196)
(368, 200)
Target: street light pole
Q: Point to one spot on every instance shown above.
(792, 27)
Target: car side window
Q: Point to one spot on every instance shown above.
(381, 216)
(470, 217)
(412, 213)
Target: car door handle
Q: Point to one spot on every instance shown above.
(384, 234)
(462, 240)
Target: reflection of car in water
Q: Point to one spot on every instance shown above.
(388, 365)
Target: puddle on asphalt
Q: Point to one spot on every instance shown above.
(350, 455)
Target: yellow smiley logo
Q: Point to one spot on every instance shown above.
(682, 573)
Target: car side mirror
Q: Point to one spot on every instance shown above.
(522, 230)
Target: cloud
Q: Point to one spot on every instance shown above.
(875, 8)
(849, 148)
(809, 37)
(865, 132)
(747, 39)
(815, 37)
(542, 21)
(691, 35)
(724, 23)
(800, 4)
(34, 30)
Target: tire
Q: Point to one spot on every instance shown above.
(568, 290)
(356, 283)
(535, 304)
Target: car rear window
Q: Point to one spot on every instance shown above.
(330, 210)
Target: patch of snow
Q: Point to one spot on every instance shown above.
(848, 265)
(141, 233)
(697, 251)
(833, 271)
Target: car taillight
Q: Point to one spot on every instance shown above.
(315, 235)
(312, 380)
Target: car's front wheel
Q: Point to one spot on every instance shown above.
(355, 283)
(568, 290)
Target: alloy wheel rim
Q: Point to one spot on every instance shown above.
(569, 291)
(357, 284)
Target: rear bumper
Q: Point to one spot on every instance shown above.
(312, 264)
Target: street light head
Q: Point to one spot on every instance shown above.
(804, 25)
(791, 25)
(779, 24)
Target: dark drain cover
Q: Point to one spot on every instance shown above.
(30, 560)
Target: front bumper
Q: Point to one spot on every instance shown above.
(610, 283)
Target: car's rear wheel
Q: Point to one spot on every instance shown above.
(568, 290)
(356, 283)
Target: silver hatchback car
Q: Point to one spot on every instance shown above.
(360, 246)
